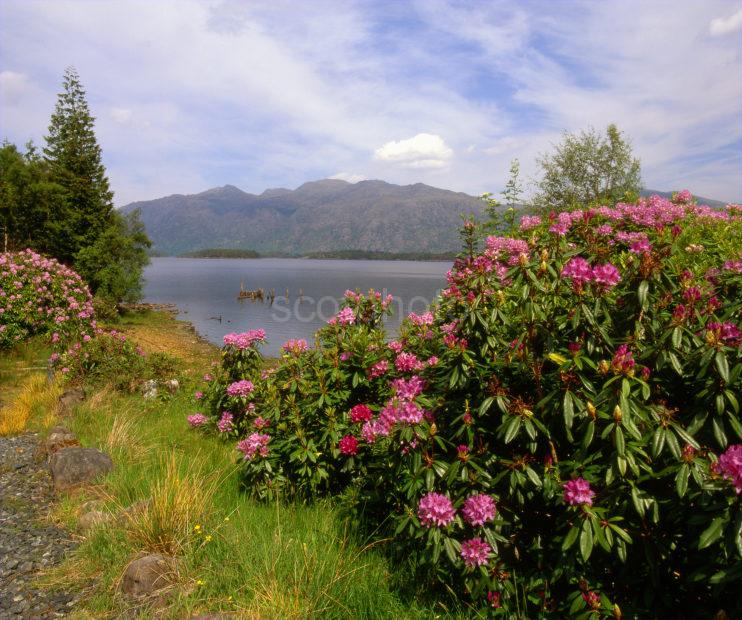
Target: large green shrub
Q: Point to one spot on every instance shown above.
(561, 435)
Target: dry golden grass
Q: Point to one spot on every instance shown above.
(180, 498)
(122, 438)
(37, 402)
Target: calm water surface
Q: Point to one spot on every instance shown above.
(205, 291)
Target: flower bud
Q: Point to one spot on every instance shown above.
(591, 409)
(603, 367)
(617, 612)
(617, 414)
(544, 255)
(433, 430)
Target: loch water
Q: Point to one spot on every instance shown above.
(205, 291)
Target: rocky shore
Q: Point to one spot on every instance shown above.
(29, 544)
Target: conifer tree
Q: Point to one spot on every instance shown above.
(75, 161)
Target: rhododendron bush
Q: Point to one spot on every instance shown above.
(40, 295)
(559, 435)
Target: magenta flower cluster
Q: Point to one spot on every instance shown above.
(245, 340)
(240, 388)
(578, 270)
(348, 445)
(255, 443)
(479, 509)
(226, 422)
(435, 510)
(197, 419)
(475, 552)
(40, 295)
(577, 492)
(730, 466)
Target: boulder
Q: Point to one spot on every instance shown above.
(73, 466)
(70, 399)
(58, 438)
(172, 385)
(92, 519)
(149, 389)
(147, 574)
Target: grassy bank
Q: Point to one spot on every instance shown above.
(234, 555)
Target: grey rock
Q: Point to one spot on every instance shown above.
(58, 439)
(92, 519)
(70, 399)
(149, 389)
(73, 466)
(172, 385)
(147, 574)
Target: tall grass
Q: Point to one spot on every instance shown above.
(36, 401)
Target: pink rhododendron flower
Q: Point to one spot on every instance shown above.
(254, 444)
(684, 197)
(623, 360)
(578, 270)
(245, 340)
(423, 319)
(642, 246)
(527, 222)
(198, 395)
(730, 466)
(407, 389)
(435, 510)
(478, 509)
(726, 333)
(378, 369)
(475, 552)
(408, 362)
(606, 275)
(578, 491)
(345, 317)
(261, 423)
(225, 423)
(348, 445)
(360, 413)
(240, 388)
(197, 419)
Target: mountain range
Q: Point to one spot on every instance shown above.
(319, 216)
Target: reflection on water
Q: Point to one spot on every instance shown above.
(307, 292)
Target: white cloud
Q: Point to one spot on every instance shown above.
(121, 115)
(13, 85)
(348, 176)
(422, 151)
(724, 25)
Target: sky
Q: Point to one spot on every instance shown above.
(190, 95)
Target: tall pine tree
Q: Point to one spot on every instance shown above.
(74, 158)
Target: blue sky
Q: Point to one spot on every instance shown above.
(189, 95)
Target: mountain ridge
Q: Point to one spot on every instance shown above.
(326, 215)
(318, 216)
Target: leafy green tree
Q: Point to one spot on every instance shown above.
(513, 188)
(587, 169)
(113, 265)
(74, 157)
(31, 204)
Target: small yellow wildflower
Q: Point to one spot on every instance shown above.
(208, 538)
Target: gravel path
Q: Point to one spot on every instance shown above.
(27, 543)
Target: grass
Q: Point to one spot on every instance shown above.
(175, 490)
